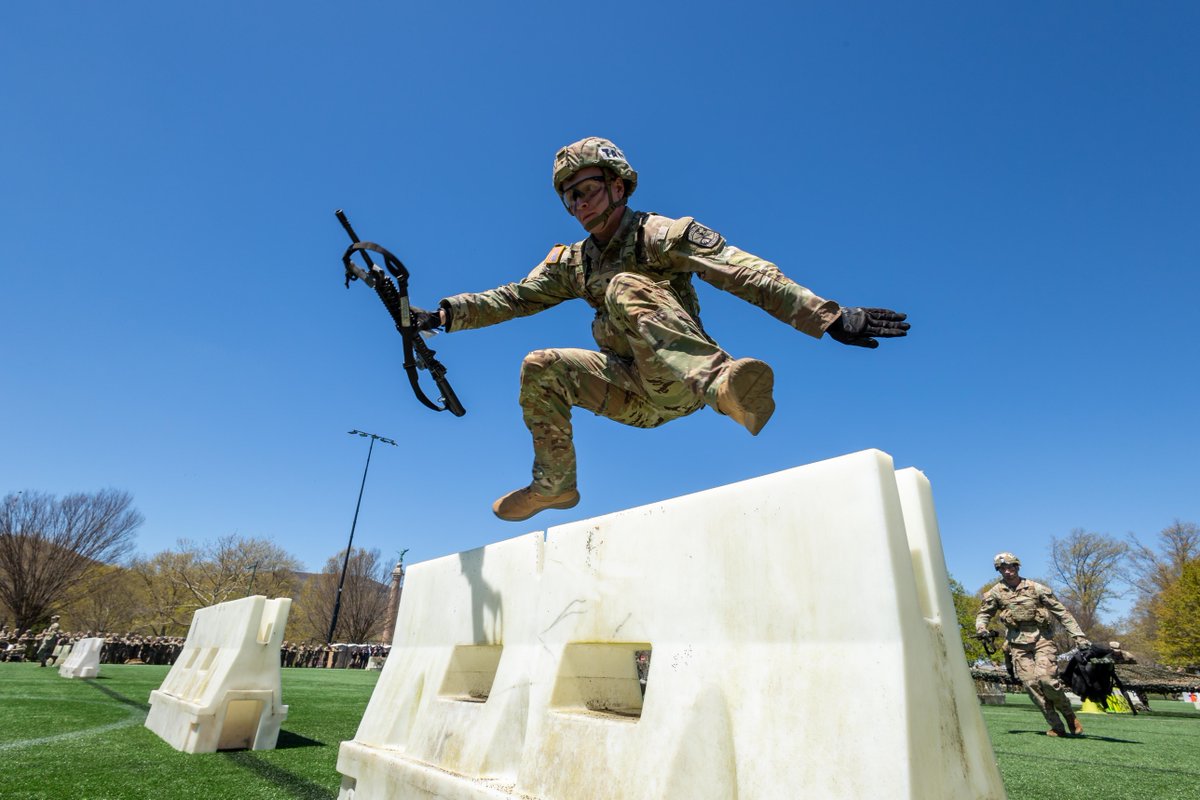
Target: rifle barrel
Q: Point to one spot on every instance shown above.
(341, 215)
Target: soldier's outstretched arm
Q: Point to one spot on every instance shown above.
(694, 248)
(547, 285)
(687, 246)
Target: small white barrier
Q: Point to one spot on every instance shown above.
(799, 633)
(84, 659)
(223, 693)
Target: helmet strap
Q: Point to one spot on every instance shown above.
(613, 205)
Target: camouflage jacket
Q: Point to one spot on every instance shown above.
(1026, 611)
(670, 250)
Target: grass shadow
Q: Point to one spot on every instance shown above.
(1165, 714)
(287, 741)
(1089, 736)
(120, 698)
(294, 785)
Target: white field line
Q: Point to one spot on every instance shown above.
(136, 717)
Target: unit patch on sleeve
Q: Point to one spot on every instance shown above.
(556, 254)
(701, 236)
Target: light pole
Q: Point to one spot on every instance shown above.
(337, 603)
(253, 572)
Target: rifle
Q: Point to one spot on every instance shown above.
(417, 354)
(985, 638)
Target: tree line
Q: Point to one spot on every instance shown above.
(73, 556)
(1089, 571)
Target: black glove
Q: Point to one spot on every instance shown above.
(857, 325)
(424, 320)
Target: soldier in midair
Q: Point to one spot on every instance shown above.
(655, 362)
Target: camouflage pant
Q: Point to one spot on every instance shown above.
(46, 651)
(1037, 670)
(675, 369)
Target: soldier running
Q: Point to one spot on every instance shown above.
(49, 641)
(656, 362)
(1026, 609)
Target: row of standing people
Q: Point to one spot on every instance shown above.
(49, 645)
(331, 656)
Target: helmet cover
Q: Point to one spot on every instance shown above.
(1005, 558)
(593, 152)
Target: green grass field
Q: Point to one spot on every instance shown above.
(84, 740)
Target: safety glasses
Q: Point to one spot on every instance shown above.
(585, 190)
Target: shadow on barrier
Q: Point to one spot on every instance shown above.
(115, 695)
(485, 600)
(294, 785)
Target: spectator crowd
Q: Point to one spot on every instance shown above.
(132, 648)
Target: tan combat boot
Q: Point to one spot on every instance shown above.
(524, 503)
(1074, 725)
(1056, 732)
(746, 393)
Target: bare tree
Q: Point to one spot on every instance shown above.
(1087, 568)
(107, 604)
(48, 545)
(1151, 572)
(233, 566)
(164, 604)
(364, 610)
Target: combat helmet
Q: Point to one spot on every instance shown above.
(593, 152)
(1005, 558)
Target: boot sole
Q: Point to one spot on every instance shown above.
(751, 384)
(563, 505)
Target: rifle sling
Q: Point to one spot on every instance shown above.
(417, 354)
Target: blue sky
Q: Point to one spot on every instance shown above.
(1023, 179)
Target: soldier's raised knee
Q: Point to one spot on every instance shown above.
(622, 286)
(536, 363)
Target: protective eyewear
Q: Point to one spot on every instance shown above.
(586, 190)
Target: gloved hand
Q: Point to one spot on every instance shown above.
(1082, 642)
(857, 325)
(426, 320)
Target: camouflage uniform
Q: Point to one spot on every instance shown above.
(49, 640)
(656, 362)
(1027, 612)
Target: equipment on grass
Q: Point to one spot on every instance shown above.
(1091, 673)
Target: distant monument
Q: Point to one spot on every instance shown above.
(394, 598)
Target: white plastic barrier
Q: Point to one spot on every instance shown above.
(84, 659)
(223, 693)
(764, 608)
